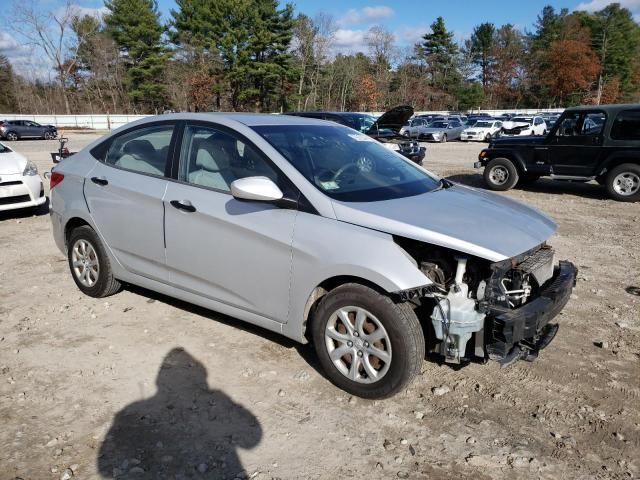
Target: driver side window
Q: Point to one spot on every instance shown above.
(213, 158)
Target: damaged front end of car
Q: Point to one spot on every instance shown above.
(476, 309)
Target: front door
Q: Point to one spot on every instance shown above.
(231, 251)
(125, 194)
(576, 144)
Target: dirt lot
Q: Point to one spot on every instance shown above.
(181, 392)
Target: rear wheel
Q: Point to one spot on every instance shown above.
(623, 183)
(89, 264)
(11, 136)
(501, 174)
(368, 345)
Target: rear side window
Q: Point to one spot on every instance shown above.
(144, 150)
(626, 126)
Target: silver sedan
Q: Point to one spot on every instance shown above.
(315, 231)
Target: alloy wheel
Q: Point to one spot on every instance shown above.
(626, 184)
(85, 264)
(499, 175)
(358, 344)
(12, 136)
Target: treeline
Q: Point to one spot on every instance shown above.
(256, 55)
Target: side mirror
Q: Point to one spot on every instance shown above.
(260, 189)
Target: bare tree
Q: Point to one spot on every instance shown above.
(52, 33)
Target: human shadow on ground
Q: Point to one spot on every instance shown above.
(186, 430)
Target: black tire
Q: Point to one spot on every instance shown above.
(404, 332)
(444, 138)
(49, 135)
(508, 174)
(106, 284)
(487, 138)
(11, 136)
(629, 172)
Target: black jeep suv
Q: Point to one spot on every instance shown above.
(599, 143)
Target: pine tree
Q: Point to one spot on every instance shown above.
(135, 26)
(481, 48)
(440, 51)
(7, 80)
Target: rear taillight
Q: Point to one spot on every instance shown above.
(55, 179)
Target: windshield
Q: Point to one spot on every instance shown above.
(361, 122)
(346, 165)
(4, 149)
(483, 124)
(522, 120)
(439, 125)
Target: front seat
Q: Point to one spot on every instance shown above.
(212, 167)
(138, 156)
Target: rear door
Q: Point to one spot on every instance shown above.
(227, 250)
(125, 193)
(575, 145)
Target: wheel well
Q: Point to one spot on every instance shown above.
(619, 161)
(71, 226)
(330, 284)
(516, 163)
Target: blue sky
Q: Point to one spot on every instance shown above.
(407, 20)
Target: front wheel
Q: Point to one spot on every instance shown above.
(501, 174)
(89, 264)
(623, 183)
(487, 137)
(49, 135)
(444, 138)
(367, 345)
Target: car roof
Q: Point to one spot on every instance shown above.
(607, 108)
(248, 119)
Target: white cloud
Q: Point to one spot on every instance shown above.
(358, 16)
(349, 41)
(23, 59)
(593, 5)
(412, 34)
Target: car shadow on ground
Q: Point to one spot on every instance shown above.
(25, 212)
(553, 187)
(186, 430)
(306, 351)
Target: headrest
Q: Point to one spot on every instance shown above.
(210, 156)
(140, 148)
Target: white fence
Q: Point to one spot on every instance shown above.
(109, 122)
(95, 122)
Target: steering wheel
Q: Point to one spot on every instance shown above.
(343, 169)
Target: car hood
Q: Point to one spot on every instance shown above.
(393, 119)
(477, 129)
(464, 219)
(510, 125)
(11, 163)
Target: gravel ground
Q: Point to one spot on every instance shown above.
(181, 392)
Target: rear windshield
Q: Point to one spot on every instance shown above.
(346, 165)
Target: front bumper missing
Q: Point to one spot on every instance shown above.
(512, 334)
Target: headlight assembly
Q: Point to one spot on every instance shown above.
(30, 169)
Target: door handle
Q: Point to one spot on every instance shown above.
(100, 181)
(185, 205)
